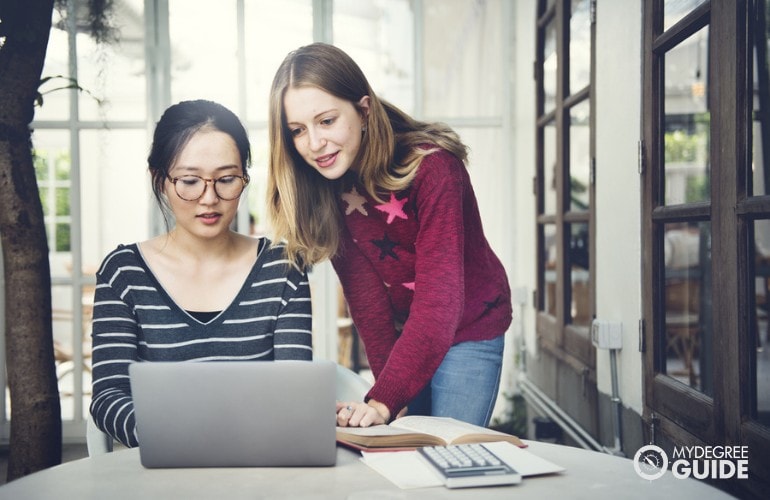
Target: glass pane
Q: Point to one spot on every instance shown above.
(761, 107)
(40, 160)
(271, 30)
(580, 156)
(44, 197)
(686, 132)
(256, 190)
(52, 169)
(65, 344)
(113, 74)
(549, 168)
(62, 237)
(61, 301)
(484, 151)
(580, 309)
(675, 10)
(56, 66)
(579, 45)
(761, 323)
(113, 168)
(204, 51)
(686, 250)
(62, 201)
(378, 36)
(550, 66)
(462, 53)
(549, 300)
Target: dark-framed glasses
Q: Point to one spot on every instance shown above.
(193, 187)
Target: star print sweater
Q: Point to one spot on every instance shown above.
(419, 276)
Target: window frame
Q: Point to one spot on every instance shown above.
(675, 413)
(568, 342)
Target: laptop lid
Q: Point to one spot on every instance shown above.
(235, 413)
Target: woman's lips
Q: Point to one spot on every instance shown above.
(210, 218)
(326, 160)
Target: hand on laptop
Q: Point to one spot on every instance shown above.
(352, 414)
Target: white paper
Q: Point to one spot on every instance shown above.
(524, 462)
(407, 470)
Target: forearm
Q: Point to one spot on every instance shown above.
(114, 348)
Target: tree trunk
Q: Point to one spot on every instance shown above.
(36, 430)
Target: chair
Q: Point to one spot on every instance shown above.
(683, 325)
(97, 442)
(350, 387)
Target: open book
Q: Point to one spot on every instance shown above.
(413, 431)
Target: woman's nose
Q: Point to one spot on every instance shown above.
(209, 194)
(316, 140)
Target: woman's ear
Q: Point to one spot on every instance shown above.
(363, 106)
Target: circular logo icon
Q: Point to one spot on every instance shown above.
(650, 462)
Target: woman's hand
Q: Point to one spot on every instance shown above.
(360, 414)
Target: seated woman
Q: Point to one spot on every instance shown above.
(201, 291)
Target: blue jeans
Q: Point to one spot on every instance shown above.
(466, 383)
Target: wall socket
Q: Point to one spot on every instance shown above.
(607, 334)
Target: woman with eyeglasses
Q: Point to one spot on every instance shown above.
(200, 291)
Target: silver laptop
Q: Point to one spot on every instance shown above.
(235, 413)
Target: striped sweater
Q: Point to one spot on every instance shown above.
(136, 320)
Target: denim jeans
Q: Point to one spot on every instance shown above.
(466, 383)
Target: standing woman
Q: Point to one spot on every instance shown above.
(201, 291)
(388, 199)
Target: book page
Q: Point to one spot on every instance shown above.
(446, 428)
(374, 430)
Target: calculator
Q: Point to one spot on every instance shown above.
(469, 465)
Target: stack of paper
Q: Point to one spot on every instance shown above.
(407, 470)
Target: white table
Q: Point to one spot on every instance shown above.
(590, 475)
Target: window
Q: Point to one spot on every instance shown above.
(564, 181)
(89, 147)
(706, 208)
(52, 169)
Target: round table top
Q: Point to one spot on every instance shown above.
(588, 474)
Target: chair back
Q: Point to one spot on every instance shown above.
(350, 385)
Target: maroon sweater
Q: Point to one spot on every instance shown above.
(420, 260)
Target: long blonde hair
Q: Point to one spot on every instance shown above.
(302, 204)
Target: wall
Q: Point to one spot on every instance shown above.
(618, 201)
(523, 90)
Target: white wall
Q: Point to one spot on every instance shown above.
(618, 201)
(524, 258)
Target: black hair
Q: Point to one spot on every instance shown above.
(175, 128)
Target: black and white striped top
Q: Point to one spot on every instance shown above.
(136, 320)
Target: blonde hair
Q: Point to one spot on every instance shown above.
(303, 205)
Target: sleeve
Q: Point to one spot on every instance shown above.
(439, 294)
(292, 338)
(368, 301)
(114, 341)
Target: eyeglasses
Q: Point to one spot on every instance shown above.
(193, 187)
